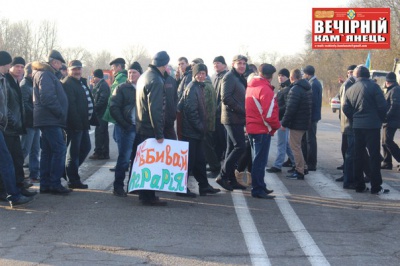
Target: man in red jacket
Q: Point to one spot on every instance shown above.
(262, 120)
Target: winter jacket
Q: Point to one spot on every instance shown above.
(50, 103)
(281, 96)
(101, 94)
(3, 103)
(209, 94)
(123, 104)
(15, 106)
(119, 78)
(262, 111)
(298, 106)
(316, 88)
(393, 102)
(150, 103)
(345, 125)
(365, 104)
(217, 86)
(171, 100)
(78, 110)
(27, 97)
(194, 113)
(186, 79)
(233, 91)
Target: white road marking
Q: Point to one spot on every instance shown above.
(332, 125)
(256, 249)
(307, 244)
(102, 179)
(325, 186)
(92, 131)
(392, 195)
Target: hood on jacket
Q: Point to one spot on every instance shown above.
(42, 66)
(257, 81)
(303, 83)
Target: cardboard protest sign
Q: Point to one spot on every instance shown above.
(160, 166)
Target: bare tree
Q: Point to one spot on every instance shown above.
(136, 53)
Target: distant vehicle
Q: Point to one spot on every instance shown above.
(379, 76)
(335, 103)
(108, 77)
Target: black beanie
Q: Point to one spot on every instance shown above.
(98, 73)
(199, 67)
(391, 77)
(309, 70)
(284, 72)
(220, 59)
(352, 67)
(18, 61)
(160, 59)
(135, 65)
(363, 72)
(5, 58)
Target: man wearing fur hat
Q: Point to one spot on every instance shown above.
(123, 110)
(150, 104)
(16, 126)
(50, 109)
(80, 117)
(392, 95)
(101, 94)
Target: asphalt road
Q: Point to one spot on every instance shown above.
(310, 222)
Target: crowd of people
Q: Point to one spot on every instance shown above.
(47, 108)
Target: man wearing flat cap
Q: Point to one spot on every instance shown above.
(16, 118)
(80, 117)
(101, 94)
(233, 117)
(150, 104)
(50, 108)
(123, 109)
(56, 61)
(392, 95)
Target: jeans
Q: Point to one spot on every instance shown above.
(370, 139)
(260, 144)
(348, 171)
(31, 146)
(79, 146)
(309, 146)
(283, 148)
(390, 148)
(125, 139)
(7, 172)
(52, 158)
(235, 147)
(101, 138)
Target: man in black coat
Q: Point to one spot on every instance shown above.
(392, 95)
(101, 94)
(80, 113)
(366, 107)
(297, 118)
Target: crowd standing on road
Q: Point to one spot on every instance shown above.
(47, 108)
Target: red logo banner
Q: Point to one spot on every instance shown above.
(351, 28)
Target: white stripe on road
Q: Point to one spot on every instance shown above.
(254, 244)
(307, 244)
(102, 179)
(394, 194)
(325, 186)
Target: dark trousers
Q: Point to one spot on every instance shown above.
(169, 132)
(235, 147)
(348, 169)
(197, 161)
(309, 146)
(390, 148)
(245, 161)
(78, 142)
(219, 139)
(209, 151)
(370, 139)
(102, 138)
(7, 174)
(344, 146)
(14, 147)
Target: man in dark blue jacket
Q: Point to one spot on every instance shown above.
(365, 106)
(309, 142)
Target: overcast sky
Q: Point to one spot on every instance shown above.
(205, 29)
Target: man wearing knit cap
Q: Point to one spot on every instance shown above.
(7, 173)
(220, 132)
(101, 94)
(16, 126)
(150, 104)
(283, 147)
(233, 117)
(392, 95)
(56, 61)
(309, 141)
(123, 109)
